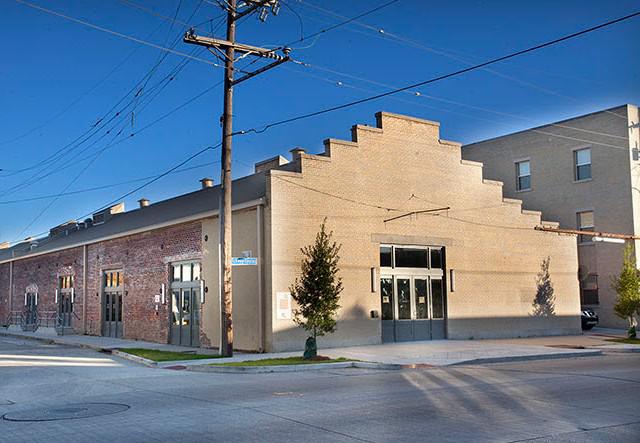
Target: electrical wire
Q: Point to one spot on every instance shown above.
(438, 78)
(144, 185)
(119, 34)
(100, 188)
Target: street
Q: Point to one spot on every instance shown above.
(564, 400)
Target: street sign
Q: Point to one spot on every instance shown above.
(244, 261)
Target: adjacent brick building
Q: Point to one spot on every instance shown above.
(430, 249)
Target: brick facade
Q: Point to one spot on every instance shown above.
(144, 260)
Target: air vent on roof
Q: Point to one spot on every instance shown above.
(106, 214)
(206, 183)
(143, 202)
(64, 229)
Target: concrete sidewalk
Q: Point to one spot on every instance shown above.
(424, 353)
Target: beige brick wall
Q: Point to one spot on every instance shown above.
(247, 306)
(402, 165)
(610, 135)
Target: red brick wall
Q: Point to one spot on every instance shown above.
(4, 292)
(44, 271)
(144, 260)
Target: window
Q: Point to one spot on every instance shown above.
(412, 258)
(185, 272)
(585, 223)
(582, 160)
(113, 279)
(66, 282)
(589, 290)
(385, 256)
(523, 175)
(415, 257)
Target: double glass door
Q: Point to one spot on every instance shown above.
(185, 316)
(413, 307)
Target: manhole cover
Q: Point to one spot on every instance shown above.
(66, 412)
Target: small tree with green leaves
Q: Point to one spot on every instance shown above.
(627, 285)
(317, 291)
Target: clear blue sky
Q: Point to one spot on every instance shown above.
(50, 65)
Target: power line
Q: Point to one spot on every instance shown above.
(439, 78)
(128, 137)
(419, 95)
(99, 188)
(119, 34)
(385, 35)
(149, 182)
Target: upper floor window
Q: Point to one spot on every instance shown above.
(66, 282)
(585, 223)
(185, 272)
(582, 160)
(113, 279)
(523, 175)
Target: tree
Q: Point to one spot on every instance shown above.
(544, 303)
(627, 285)
(317, 291)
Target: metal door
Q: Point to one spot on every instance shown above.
(112, 314)
(185, 316)
(65, 309)
(413, 308)
(31, 309)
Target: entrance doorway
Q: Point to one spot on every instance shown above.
(65, 301)
(185, 304)
(413, 300)
(112, 293)
(30, 315)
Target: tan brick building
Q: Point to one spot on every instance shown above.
(430, 249)
(584, 173)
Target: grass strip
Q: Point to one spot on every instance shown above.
(281, 362)
(157, 355)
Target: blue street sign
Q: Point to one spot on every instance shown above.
(244, 261)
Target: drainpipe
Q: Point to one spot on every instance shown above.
(84, 289)
(259, 224)
(11, 288)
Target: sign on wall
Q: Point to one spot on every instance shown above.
(244, 261)
(283, 301)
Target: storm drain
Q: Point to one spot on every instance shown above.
(66, 412)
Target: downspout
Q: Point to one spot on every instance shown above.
(11, 289)
(259, 237)
(84, 289)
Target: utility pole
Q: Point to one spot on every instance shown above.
(226, 51)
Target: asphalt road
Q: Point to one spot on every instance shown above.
(571, 400)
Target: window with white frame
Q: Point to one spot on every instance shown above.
(523, 175)
(585, 223)
(582, 161)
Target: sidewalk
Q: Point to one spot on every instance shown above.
(409, 354)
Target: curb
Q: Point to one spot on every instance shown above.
(620, 350)
(53, 341)
(290, 368)
(517, 358)
(135, 358)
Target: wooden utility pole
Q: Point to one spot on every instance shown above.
(228, 49)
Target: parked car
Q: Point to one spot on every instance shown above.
(589, 319)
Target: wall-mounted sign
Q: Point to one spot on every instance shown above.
(244, 261)
(156, 298)
(283, 300)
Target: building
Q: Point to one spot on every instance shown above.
(584, 173)
(430, 249)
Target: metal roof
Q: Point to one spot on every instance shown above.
(201, 202)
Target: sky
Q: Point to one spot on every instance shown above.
(72, 95)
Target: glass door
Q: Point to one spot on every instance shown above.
(112, 307)
(185, 317)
